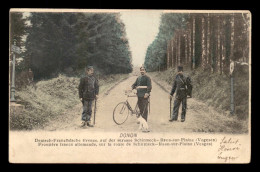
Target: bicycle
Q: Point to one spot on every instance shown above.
(123, 109)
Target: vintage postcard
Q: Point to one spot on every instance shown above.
(129, 86)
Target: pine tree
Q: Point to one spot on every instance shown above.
(17, 28)
(58, 41)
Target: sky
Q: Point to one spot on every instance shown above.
(141, 29)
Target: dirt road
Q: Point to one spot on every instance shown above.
(199, 117)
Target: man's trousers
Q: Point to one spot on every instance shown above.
(177, 103)
(87, 110)
(143, 107)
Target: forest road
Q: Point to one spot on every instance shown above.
(199, 117)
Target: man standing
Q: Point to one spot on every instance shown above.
(30, 76)
(88, 91)
(179, 86)
(144, 86)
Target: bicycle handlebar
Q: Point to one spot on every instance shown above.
(128, 93)
(131, 95)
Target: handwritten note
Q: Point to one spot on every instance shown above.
(228, 150)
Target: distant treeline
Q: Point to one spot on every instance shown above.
(208, 41)
(67, 42)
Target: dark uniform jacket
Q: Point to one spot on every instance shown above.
(88, 88)
(143, 81)
(179, 86)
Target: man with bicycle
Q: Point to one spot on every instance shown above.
(143, 86)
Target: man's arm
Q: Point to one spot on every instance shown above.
(96, 87)
(174, 85)
(81, 87)
(149, 85)
(135, 84)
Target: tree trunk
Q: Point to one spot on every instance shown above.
(172, 52)
(221, 44)
(208, 41)
(190, 46)
(203, 44)
(214, 41)
(232, 37)
(175, 52)
(179, 48)
(186, 48)
(168, 54)
(247, 52)
(193, 43)
(218, 46)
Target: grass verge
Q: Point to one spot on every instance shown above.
(51, 98)
(214, 89)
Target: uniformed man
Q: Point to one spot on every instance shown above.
(180, 97)
(30, 76)
(144, 86)
(88, 91)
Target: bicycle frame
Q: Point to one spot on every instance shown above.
(122, 106)
(129, 106)
(135, 111)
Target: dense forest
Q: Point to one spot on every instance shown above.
(207, 41)
(156, 54)
(206, 44)
(55, 43)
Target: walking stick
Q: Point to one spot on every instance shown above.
(149, 105)
(95, 108)
(170, 107)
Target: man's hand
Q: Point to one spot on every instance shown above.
(170, 96)
(146, 95)
(96, 96)
(81, 99)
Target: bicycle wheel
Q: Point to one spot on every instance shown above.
(120, 113)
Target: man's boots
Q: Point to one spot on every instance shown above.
(82, 124)
(89, 125)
